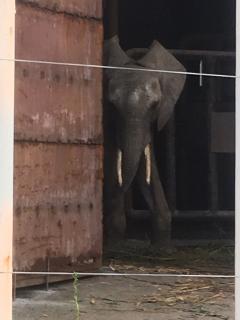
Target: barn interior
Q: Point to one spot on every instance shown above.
(187, 24)
(64, 230)
(198, 176)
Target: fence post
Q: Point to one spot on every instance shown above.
(7, 45)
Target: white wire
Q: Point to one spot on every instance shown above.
(115, 274)
(122, 68)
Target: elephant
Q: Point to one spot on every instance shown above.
(137, 103)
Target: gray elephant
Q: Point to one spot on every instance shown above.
(138, 103)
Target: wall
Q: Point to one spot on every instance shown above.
(58, 138)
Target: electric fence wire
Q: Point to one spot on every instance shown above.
(115, 274)
(95, 66)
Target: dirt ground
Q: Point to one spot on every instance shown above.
(137, 297)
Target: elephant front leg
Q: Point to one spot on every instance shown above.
(116, 218)
(151, 187)
(113, 197)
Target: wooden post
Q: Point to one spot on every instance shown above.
(7, 44)
(237, 192)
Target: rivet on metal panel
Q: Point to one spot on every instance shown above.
(57, 77)
(59, 224)
(90, 205)
(66, 208)
(18, 211)
(25, 73)
(53, 210)
(42, 75)
(79, 207)
(71, 79)
(37, 209)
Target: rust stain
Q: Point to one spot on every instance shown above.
(57, 103)
(59, 195)
(58, 139)
(59, 36)
(62, 112)
(83, 8)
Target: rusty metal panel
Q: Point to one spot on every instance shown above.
(83, 8)
(44, 35)
(223, 132)
(58, 207)
(57, 103)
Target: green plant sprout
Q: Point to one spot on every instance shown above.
(76, 294)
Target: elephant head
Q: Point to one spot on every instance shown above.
(140, 99)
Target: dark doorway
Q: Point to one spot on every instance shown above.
(175, 23)
(198, 179)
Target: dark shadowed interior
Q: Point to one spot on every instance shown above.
(190, 25)
(186, 24)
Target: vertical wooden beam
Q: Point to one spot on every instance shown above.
(7, 44)
(237, 192)
(111, 18)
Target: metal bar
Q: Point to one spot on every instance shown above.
(7, 44)
(237, 192)
(98, 66)
(204, 53)
(191, 214)
(201, 71)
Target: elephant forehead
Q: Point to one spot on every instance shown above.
(146, 92)
(132, 88)
(135, 95)
(132, 77)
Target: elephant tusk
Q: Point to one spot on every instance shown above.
(119, 168)
(147, 153)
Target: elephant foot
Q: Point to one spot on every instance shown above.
(163, 251)
(162, 241)
(114, 246)
(115, 237)
(114, 234)
(116, 228)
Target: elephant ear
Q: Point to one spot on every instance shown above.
(114, 54)
(171, 83)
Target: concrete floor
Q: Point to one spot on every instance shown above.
(128, 298)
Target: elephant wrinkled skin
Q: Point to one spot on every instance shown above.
(137, 103)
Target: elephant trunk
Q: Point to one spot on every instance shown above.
(134, 143)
